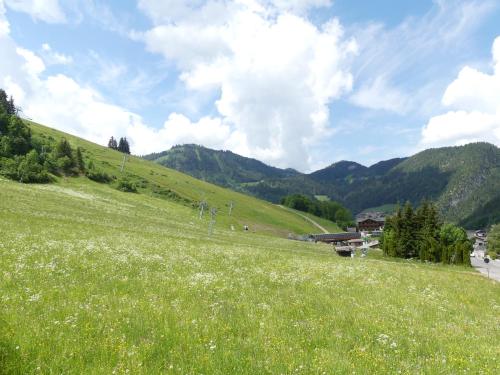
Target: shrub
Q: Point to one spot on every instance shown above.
(126, 186)
(30, 170)
(98, 176)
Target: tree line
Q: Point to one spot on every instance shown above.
(494, 242)
(26, 158)
(329, 210)
(421, 234)
(122, 145)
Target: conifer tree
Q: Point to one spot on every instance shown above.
(123, 146)
(112, 143)
(11, 107)
(79, 160)
(407, 236)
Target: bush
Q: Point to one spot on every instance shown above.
(126, 186)
(30, 170)
(98, 176)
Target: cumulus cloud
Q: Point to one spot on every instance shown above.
(4, 24)
(474, 102)
(275, 71)
(63, 103)
(48, 11)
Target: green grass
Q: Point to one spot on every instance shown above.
(260, 216)
(94, 280)
(97, 281)
(386, 208)
(322, 198)
(330, 226)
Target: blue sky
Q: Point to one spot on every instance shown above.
(300, 83)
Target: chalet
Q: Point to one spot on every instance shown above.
(370, 221)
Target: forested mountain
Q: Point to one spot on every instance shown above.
(463, 181)
(224, 168)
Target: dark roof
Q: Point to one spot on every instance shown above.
(333, 237)
(375, 216)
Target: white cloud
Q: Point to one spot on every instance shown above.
(44, 10)
(4, 24)
(61, 102)
(275, 71)
(54, 58)
(474, 102)
(414, 57)
(379, 95)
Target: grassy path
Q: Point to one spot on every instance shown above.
(306, 218)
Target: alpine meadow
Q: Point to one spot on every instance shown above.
(96, 280)
(246, 187)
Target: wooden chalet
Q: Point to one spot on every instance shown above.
(370, 221)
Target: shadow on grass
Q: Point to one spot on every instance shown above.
(10, 360)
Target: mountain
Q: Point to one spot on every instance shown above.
(223, 168)
(464, 181)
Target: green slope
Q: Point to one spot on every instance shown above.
(96, 281)
(152, 178)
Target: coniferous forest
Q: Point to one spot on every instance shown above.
(421, 234)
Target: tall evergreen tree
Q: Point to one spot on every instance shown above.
(11, 107)
(79, 160)
(112, 143)
(123, 146)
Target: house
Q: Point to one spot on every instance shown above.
(370, 221)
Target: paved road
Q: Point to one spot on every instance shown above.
(493, 266)
(307, 218)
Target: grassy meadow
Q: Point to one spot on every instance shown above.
(157, 181)
(96, 281)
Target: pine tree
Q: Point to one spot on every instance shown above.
(79, 160)
(11, 107)
(123, 146)
(407, 237)
(126, 146)
(4, 103)
(112, 143)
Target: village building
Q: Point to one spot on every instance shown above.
(336, 238)
(370, 221)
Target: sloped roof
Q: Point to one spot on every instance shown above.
(376, 216)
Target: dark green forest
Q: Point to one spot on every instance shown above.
(29, 159)
(421, 234)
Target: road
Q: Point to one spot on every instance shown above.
(305, 217)
(493, 266)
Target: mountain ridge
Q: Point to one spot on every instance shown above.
(462, 180)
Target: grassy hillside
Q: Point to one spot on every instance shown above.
(155, 180)
(93, 280)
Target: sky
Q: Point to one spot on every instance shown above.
(294, 83)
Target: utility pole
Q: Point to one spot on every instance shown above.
(123, 162)
(203, 205)
(213, 213)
